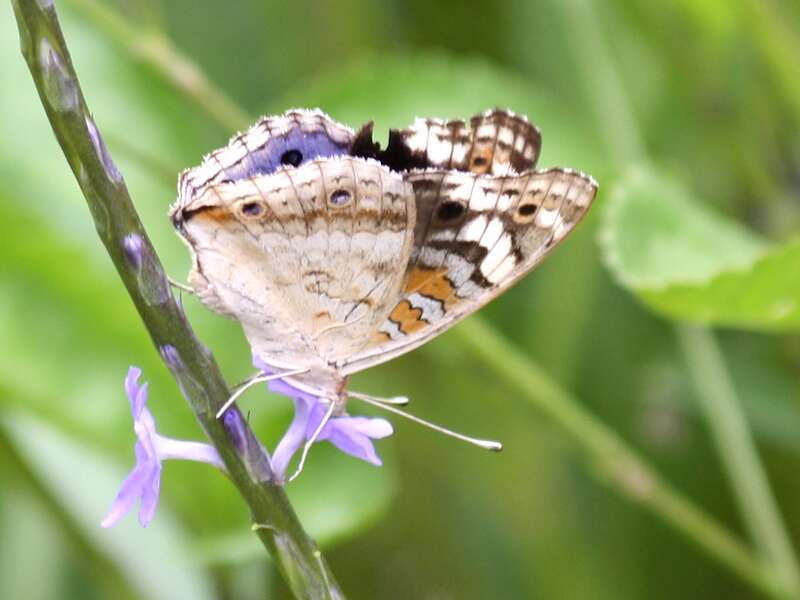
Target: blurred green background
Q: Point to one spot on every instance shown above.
(687, 113)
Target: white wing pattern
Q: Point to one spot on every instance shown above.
(476, 235)
(495, 142)
(337, 255)
(484, 219)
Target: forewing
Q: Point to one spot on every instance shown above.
(476, 235)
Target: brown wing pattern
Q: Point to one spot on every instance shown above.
(259, 150)
(296, 256)
(496, 142)
(289, 216)
(476, 236)
(490, 143)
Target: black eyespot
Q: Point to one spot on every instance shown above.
(526, 210)
(479, 161)
(252, 209)
(292, 157)
(450, 210)
(339, 197)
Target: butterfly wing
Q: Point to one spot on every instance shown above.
(476, 235)
(496, 142)
(291, 139)
(297, 258)
(314, 251)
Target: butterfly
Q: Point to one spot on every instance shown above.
(336, 255)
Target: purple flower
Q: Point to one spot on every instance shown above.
(351, 435)
(144, 481)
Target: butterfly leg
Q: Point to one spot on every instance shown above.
(312, 439)
(180, 286)
(259, 377)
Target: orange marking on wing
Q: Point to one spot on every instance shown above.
(214, 213)
(380, 337)
(408, 319)
(432, 283)
(323, 318)
(481, 161)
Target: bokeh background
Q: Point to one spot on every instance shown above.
(687, 113)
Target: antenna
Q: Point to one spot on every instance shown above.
(395, 400)
(386, 404)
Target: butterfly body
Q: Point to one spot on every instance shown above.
(335, 255)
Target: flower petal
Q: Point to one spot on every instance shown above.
(150, 493)
(130, 490)
(127, 496)
(168, 449)
(294, 437)
(134, 392)
(144, 481)
(354, 444)
(145, 429)
(352, 435)
(375, 428)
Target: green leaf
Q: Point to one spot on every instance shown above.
(688, 263)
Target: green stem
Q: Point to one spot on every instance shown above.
(152, 47)
(730, 431)
(625, 470)
(629, 472)
(192, 365)
(776, 41)
(602, 84)
(738, 452)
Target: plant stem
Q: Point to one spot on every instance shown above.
(625, 470)
(778, 44)
(601, 81)
(193, 366)
(152, 47)
(737, 451)
(726, 420)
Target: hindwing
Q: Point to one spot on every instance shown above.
(496, 142)
(298, 257)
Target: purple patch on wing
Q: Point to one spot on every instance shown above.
(295, 148)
